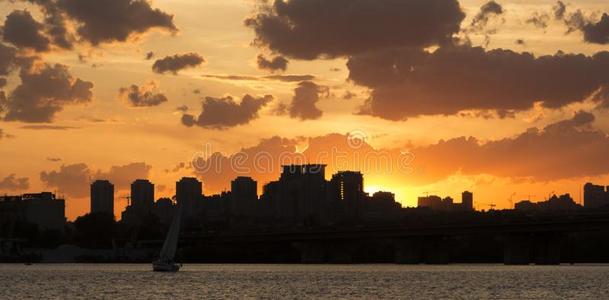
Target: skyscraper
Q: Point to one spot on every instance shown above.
(467, 200)
(348, 188)
(102, 196)
(244, 194)
(142, 195)
(595, 196)
(188, 194)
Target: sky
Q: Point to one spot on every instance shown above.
(507, 99)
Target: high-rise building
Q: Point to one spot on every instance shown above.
(595, 196)
(42, 209)
(244, 195)
(467, 200)
(142, 195)
(348, 188)
(189, 192)
(102, 196)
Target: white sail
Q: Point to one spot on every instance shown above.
(168, 252)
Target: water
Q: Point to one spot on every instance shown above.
(305, 281)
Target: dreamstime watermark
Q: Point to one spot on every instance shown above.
(352, 154)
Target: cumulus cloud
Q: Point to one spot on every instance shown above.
(21, 30)
(222, 113)
(565, 149)
(277, 63)
(12, 183)
(74, 179)
(7, 60)
(306, 96)
(411, 82)
(487, 11)
(101, 21)
(44, 91)
(177, 63)
(144, 96)
(310, 29)
(539, 20)
(597, 33)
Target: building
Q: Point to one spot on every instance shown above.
(142, 195)
(299, 194)
(382, 204)
(434, 202)
(164, 209)
(348, 188)
(189, 192)
(467, 200)
(42, 209)
(554, 203)
(595, 196)
(102, 197)
(244, 196)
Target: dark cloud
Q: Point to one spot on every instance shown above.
(539, 20)
(104, 21)
(54, 159)
(487, 11)
(177, 62)
(306, 96)
(182, 108)
(144, 96)
(597, 33)
(74, 179)
(290, 78)
(309, 29)
(149, 55)
(12, 183)
(559, 10)
(222, 113)
(411, 82)
(43, 92)
(21, 30)
(7, 60)
(274, 64)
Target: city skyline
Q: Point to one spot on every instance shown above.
(526, 116)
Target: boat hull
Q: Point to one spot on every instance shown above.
(165, 267)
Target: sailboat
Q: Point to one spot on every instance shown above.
(166, 261)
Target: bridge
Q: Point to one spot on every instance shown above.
(531, 241)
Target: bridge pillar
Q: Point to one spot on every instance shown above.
(547, 249)
(408, 251)
(516, 250)
(310, 252)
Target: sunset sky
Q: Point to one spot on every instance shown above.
(508, 99)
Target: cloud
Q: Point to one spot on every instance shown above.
(306, 96)
(54, 159)
(222, 113)
(145, 96)
(102, 21)
(565, 149)
(310, 29)
(274, 64)
(12, 183)
(539, 20)
(8, 59)
(559, 10)
(75, 179)
(149, 55)
(284, 78)
(177, 63)
(44, 91)
(410, 82)
(487, 11)
(47, 127)
(597, 33)
(21, 30)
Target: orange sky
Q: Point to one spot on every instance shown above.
(108, 136)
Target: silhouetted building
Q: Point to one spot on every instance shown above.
(142, 195)
(164, 210)
(555, 203)
(299, 194)
(381, 205)
(188, 194)
(448, 204)
(244, 196)
(348, 188)
(595, 196)
(467, 200)
(42, 209)
(102, 196)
